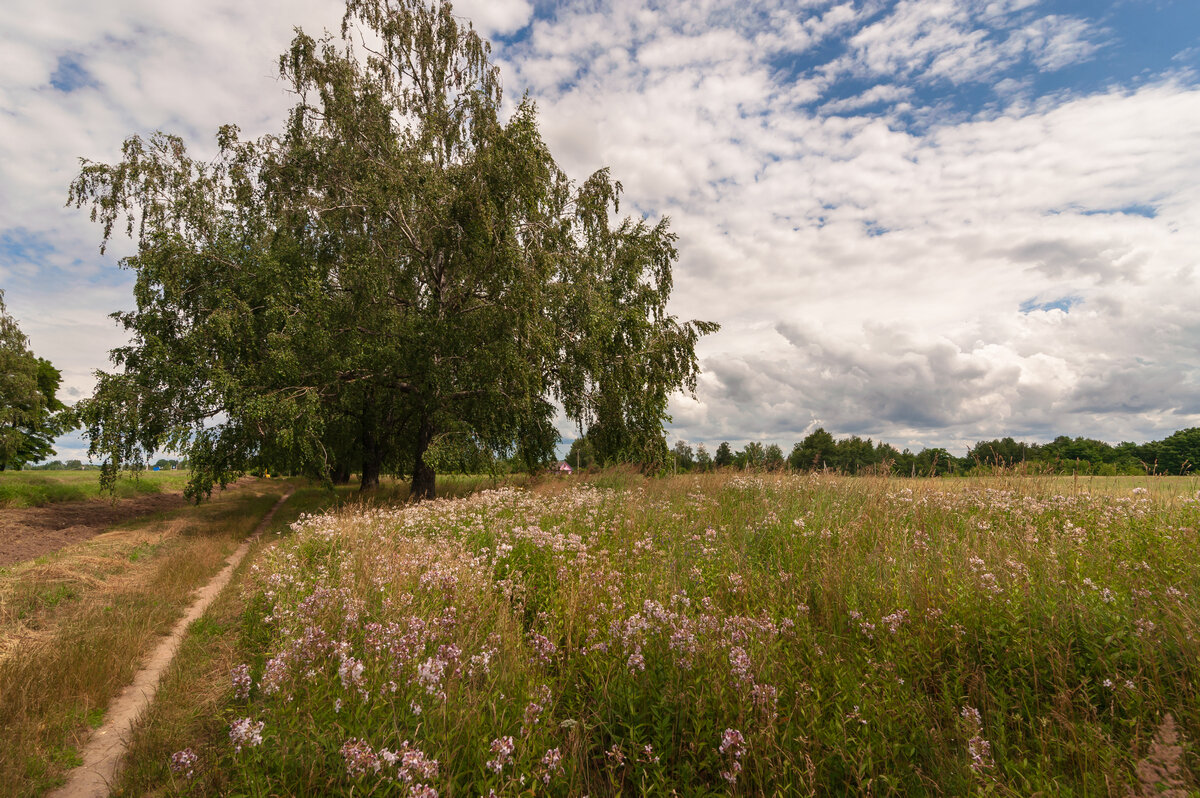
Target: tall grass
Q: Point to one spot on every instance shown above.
(714, 635)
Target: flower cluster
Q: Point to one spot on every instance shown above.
(184, 762)
(245, 732)
(979, 749)
(241, 681)
(733, 745)
(502, 750)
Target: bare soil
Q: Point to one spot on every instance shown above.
(29, 532)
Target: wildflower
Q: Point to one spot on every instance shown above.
(274, 674)
(893, 621)
(615, 755)
(351, 672)
(245, 732)
(360, 758)
(552, 762)
(184, 762)
(502, 748)
(533, 713)
(733, 744)
(429, 674)
(765, 696)
(241, 681)
(636, 661)
(415, 764)
(543, 648)
(979, 749)
(739, 664)
(732, 740)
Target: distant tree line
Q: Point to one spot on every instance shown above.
(1178, 453)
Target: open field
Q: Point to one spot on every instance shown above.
(703, 635)
(38, 488)
(74, 623)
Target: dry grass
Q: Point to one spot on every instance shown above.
(74, 624)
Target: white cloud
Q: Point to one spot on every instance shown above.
(869, 273)
(496, 17)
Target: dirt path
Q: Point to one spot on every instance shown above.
(103, 751)
(28, 532)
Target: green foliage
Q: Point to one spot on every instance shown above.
(31, 414)
(814, 452)
(684, 457)
(400, 280)
(581, 454)
(773, 458)
(724, 455)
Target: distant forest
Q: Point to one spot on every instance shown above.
(1176, 454)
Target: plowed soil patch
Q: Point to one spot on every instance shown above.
(29, 532)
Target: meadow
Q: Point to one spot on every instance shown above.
(38, 488)
(704, 635)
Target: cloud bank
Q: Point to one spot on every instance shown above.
(927, 222)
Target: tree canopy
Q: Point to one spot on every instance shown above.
(399, 272)
(31, 414)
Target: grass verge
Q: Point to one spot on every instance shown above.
(74, 623)
(39, 488)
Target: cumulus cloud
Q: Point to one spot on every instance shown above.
(900, 237)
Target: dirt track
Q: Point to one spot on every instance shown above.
(29, 532)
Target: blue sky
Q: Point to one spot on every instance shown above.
(928, 222)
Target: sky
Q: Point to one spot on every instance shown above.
(929, 222)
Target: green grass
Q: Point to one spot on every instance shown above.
(720, 635)
(38, 488)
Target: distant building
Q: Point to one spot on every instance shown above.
(562, 467)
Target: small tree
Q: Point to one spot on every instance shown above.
(773, 458)
(31, 414)
(724, 455)
(815, 452)
(581, 454)
(685, 458)
(704, 460)
(753, 456)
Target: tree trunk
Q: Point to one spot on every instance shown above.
(372, 459)
(341, 473)
(423, 476)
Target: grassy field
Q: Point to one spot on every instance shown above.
(704, 636)
(73, 624)
(37, 488)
